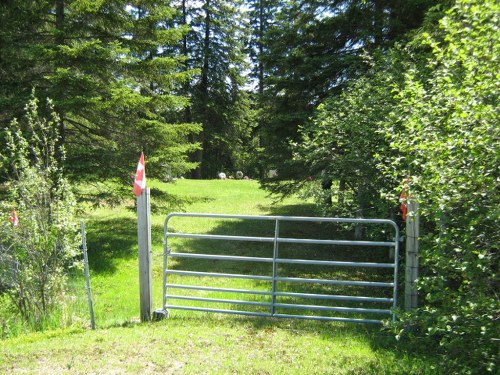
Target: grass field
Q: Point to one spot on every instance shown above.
(194, 343)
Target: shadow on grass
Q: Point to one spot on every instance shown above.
(109, 241)
(304, 209)
(391, 356)
(113, 240)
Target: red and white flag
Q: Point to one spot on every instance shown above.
(140, 177)
(13, 218)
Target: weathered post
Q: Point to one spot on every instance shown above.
(412, 238)
(145, 262)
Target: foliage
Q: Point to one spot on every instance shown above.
(313, 49)
(341, 143)
(446, 129)
(113, 80)
(429, 111)
(214, 48)
(36, 254)
(131, 76)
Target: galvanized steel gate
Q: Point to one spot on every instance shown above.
(276, 280)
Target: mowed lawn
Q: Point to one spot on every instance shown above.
(194, 342)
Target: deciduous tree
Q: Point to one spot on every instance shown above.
(36, 252)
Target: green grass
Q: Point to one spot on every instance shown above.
(194, 342)
(112, 237)
(212, 344)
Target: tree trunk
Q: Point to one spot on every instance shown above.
(342, 188)
(358, 230)
(326, 185)
(60, 40)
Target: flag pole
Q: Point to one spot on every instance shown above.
(145, 259)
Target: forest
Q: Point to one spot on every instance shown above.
(350, 102)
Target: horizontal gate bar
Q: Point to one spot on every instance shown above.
(221, 257)
(283, 294)
(286, 316)
(219, 300)
(212, 274)
(335, 297)
(335, 308)
(279, 239)
(286, 279)
(335, 282)
(282, 260)
(335, 242)
(334, 263)
(221, 237)
(210, 289)
(284, 218)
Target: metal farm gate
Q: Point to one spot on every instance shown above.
(312, 292)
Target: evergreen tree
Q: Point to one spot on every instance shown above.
(102, 63)
(261, 18)
(215, 48)
(22, 58)
(313, 49)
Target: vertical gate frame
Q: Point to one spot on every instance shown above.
(275, 265)
(276, 260)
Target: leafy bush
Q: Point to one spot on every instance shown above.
(428, 110)
(342, 140)
(37, 252)
(446, 130)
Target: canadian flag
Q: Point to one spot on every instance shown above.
(13, 218)
(140, 177)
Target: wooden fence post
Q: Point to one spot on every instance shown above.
(145, 262)
(412, 238)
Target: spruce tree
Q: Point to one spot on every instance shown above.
(106, 66)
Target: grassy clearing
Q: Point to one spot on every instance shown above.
(112, 238)
(211, 345)
(194, 343)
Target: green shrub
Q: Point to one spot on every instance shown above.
(445, 128)
(37, 252)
